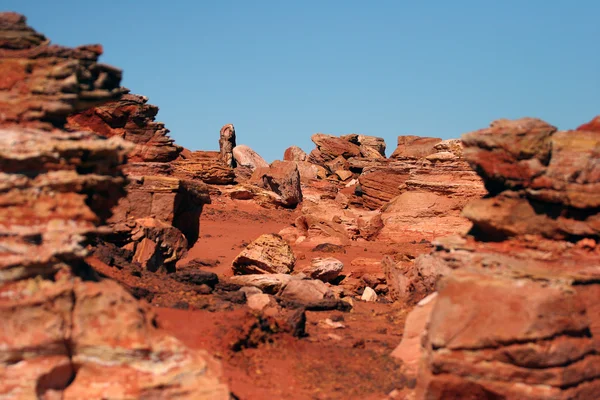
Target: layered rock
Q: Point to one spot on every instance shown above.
(158, 220)
(516, 315)
(420, 195)
(133, 119)
(64, 333)
(411, 146)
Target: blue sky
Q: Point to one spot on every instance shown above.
(283, 70)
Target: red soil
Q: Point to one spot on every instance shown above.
(348, 363)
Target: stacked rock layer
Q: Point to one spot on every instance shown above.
(64, 333)
(517, 314)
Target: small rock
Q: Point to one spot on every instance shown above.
(324, 269)
(268, 283)
(306, 291)
(329, 248)
(328, 323)
(259, 301)
(369, 295)
(250, 290)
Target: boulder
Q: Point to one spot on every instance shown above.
(226, 145)
(267, 254)
(516, 315)
(371, 146)
(306, 291)
(246, 157)
(268, 283)
(369, 295)
(324, 269)
(294, 153)
(330, 147)
(282, 178)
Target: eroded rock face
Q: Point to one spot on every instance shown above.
(158, 219)
(516, 315)
(131, 118)
(61, 335)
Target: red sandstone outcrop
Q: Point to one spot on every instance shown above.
(516, 315)
(157, 221)
(64, 333)
(131, 118)
(593, 125)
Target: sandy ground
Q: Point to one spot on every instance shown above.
(349, 362)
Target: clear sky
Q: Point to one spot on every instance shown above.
(283, 70)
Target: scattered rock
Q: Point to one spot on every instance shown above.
(267, 254)
(324, 269)
(369, 295)
(329, 248)
(196, 277)
(306, 291)
(260, 301)
(268, 283)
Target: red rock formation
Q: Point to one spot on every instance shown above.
(132, 118)
(593, 125)
(518, 317)
(64, 333)
(158, 220)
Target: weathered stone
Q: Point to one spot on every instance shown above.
(268, 283)
(267, 254)
(415, 146)
(306, 291)
(369, 295)
(64, 333)
(294, 153)
(324, 269)
(131, 118)
(246, 157)
(226, 145)
(282, 178)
